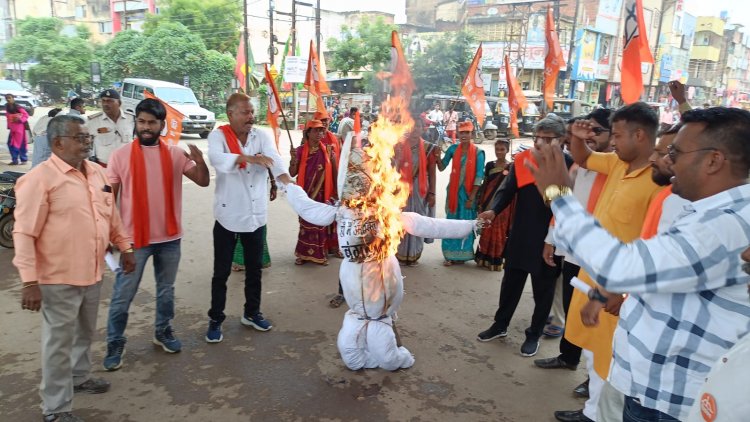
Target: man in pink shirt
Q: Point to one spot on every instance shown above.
(65, 204)
(148, 176)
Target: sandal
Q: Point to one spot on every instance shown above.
(338, 254)
(551, 330)
(238, 267)
(324, 263)
(336, 301)
(447, 263)
(299, 261)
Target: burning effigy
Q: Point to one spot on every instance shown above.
(370, 225)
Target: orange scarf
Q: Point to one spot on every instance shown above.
(653, 215)
(596, 191)
(406, 168)
(233, 143)
(139, 193)
(471, 173)
(328, 182)
(523, 174)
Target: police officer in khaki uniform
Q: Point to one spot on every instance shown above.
(111, 128)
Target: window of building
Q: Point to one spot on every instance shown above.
(105, 27)
(81, 11)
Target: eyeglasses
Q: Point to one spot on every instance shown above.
(80, 138)
(673, 152)
(546, 139)
(599, 130)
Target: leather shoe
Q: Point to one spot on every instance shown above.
(582, 390)
(571, 416)
(554, 363)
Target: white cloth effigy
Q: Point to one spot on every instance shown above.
(373, 290)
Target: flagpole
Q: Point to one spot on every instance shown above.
(247, 63)
(286, 126)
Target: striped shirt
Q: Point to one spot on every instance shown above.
(688, 303)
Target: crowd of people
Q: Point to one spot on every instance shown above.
(652, 224)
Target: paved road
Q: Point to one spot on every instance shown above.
(293, 373)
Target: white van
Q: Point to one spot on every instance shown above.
(197, 119)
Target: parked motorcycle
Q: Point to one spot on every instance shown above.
(7, 206)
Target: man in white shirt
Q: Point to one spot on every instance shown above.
(242, 156)
(436, 116)
(112, 127)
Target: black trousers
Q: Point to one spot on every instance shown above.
(569, 352)
(224, 243)
(543, 287)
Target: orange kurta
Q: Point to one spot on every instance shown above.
(621, 209)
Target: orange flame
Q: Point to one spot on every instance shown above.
(388, 194)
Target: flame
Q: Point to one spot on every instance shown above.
(388, 194)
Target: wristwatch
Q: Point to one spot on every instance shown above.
(553, 192)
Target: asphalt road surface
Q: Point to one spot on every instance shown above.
(293, 372)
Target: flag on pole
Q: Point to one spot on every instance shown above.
(240, 71)
(402, 84)
(315, 80)
(552, 61)
(516, 99)
(274, 106)
(173, 127)
(473, 88)
(635, 52)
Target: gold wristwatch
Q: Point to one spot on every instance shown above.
(553, 192)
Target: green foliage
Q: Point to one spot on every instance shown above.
(61, 59)
(168, 53)
(217, 22)
(443, 66)
(115, 55)
(368, 48)
(83, 32)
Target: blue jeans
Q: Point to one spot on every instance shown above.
(635, 412)
(166, 260)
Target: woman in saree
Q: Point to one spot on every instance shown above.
(492, 240)
(314, 165)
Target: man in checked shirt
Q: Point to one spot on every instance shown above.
(687, 301)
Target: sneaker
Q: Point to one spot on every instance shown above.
(214, 335)
(62, 417)
(115, 352)
(92, 386)
(257, 321)
(492, 333)
(167, 341)
(529, 347)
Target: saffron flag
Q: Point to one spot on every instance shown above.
(516, 99)
(635, 52)
(173, 127)
(552, 61)
(473, 88)
(240, 71)
(274, 106)
(315, 80)
(402, 84)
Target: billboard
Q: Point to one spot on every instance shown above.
(608, 16)
(585, 64)
(689, 22)
(603, 56)
(533, 58)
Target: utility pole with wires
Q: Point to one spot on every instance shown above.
(271, 39)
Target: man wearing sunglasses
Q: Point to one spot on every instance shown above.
(688, 293)
(621, 209)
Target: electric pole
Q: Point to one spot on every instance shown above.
(317, 29)
(271, 43)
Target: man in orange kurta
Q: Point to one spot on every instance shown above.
(621, 209)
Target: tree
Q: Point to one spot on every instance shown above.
(59, 59)
(115, 56)
(443, 66)
(368, 48)
(168, 53)
(217, 22)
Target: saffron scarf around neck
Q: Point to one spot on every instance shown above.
(139, 193)
(233, 143)
(523, 174)
(407, 171)
(455, 178)
(328, 170)
(653, 214)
